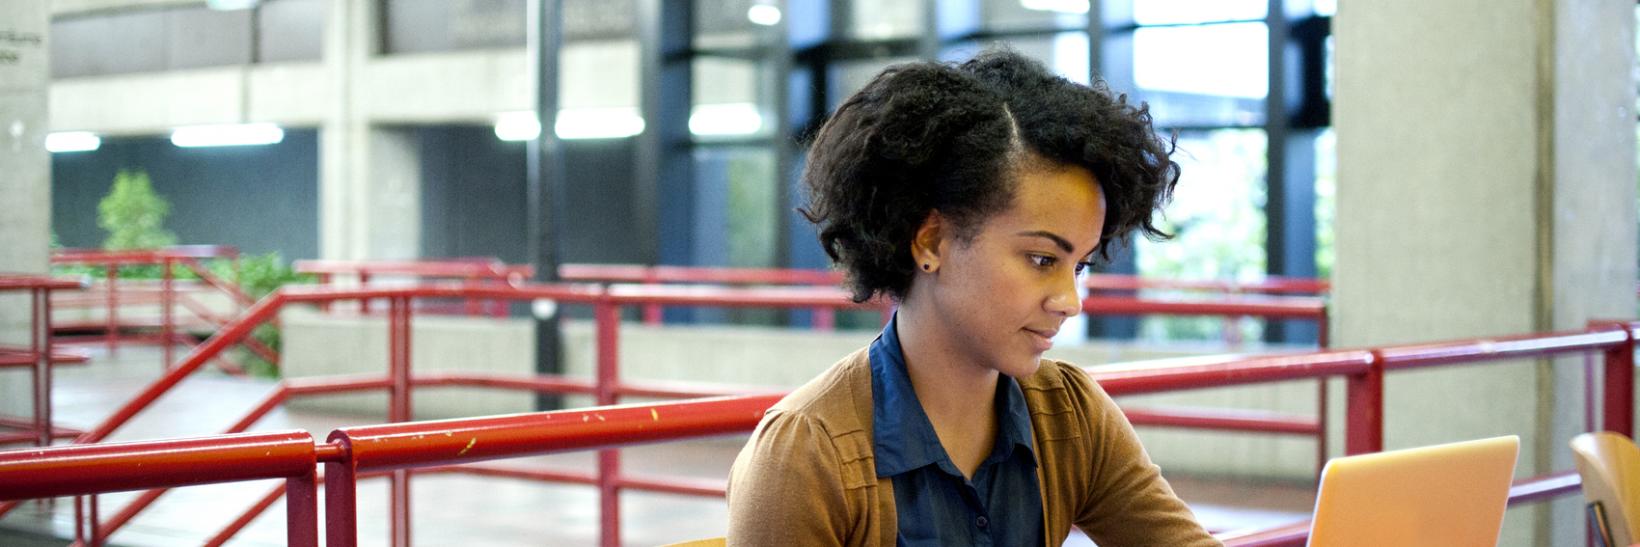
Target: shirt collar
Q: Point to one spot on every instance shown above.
(903, 438)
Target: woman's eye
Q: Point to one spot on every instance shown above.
(1083, 267)
(1042, 261)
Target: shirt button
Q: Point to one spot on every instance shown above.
(981, 521)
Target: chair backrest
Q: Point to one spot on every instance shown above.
(1609, 464)
(708, 542)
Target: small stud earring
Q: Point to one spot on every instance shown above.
(927, 268)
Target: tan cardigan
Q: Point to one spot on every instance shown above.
(807, 475)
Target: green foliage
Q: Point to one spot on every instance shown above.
(133, 214)
(259, 276)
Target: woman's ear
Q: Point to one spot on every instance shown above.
(926, 244)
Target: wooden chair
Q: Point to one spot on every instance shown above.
(1609, 464)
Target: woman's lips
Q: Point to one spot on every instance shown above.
(1043, 339)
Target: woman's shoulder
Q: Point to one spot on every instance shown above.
(1064, 379)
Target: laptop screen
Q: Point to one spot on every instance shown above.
(1442, 495)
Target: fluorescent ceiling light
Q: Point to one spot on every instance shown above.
(517, 126)
(767, 15)
(72, 141)
(725, 119)
(1061, 6)
(598, 123)
(227, 135)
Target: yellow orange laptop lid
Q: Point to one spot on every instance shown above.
(1449, 495)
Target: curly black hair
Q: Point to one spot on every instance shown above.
(927, 136)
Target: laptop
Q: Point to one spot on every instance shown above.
(1446, 495)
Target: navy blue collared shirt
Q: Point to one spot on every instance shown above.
(936, 504)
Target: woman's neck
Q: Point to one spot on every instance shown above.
(956, 392)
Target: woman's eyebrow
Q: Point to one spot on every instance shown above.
(1060, 241)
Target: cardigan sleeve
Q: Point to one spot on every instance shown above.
(1129, 502)
(786, 486)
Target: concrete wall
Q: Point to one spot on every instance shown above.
(25, 173)
(1486, 186)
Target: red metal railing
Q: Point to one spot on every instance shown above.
(443, 445)
(493, 270)
(113, 467)
(606, 386)
(473, 270)
(40, 356)
(167, 297)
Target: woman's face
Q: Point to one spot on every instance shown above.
(1003, 295)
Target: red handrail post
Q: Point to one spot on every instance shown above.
(607, 315)
(167, 297)
(825, 319)
(112, 332)
(652, 313)
(364, 304)
(399, 366)
(1364, 427)
(341, 497)
(40, 345)
(1619, 388)
(302, 511)
(324, 279)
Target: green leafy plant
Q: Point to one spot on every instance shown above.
(259, 276)
(133, 214)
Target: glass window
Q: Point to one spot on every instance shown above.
(1325, 8)
(1207, 75)
(1034, 14)
(846, 77)
(1226, 60)
(1217, 218)
(732, 98)
(738, 24)
(1066, 53)
(875, 20)
(1185, 12)
(598, 90)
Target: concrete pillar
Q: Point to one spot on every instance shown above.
(1486, 186)
(25, 173)
(369, 176)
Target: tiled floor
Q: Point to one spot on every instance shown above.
(459, 509)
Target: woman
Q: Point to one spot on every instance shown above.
(973, 196)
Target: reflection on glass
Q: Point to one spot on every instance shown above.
(1225, 60)
(1217, 216)
(874, 19)
(1183, 12)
